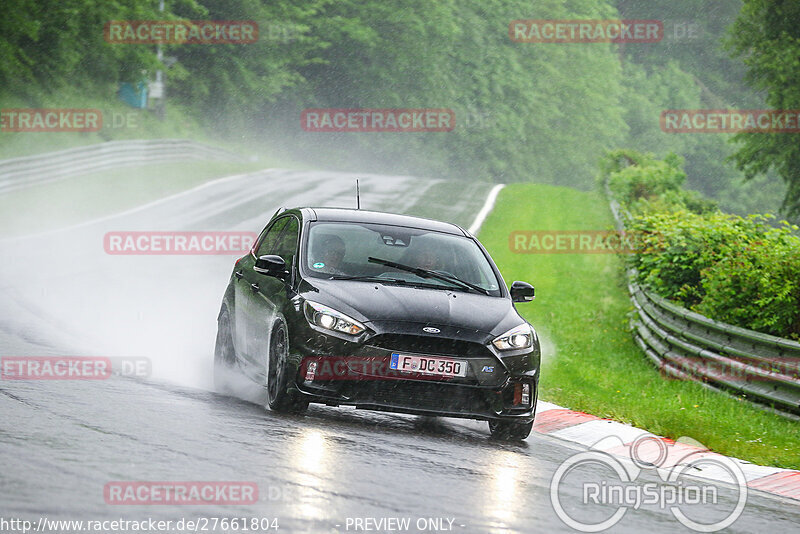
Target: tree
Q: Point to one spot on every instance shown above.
(766, 35)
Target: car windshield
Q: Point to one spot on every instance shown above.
(341, 250)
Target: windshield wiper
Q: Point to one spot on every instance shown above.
(368, 278)
(425, 273)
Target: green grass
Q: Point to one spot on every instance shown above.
(454, 201)
(73, 200)
(591, 363)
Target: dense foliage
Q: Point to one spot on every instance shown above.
(742, 271)
(767, 38)
(524, 112)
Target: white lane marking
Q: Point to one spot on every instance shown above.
(486, 209)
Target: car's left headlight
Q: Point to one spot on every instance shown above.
(330, 319)
(520, 337)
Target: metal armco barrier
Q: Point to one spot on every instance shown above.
(686, 345)
(18, 173)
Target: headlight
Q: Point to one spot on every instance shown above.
(330, 319)
(520, 337)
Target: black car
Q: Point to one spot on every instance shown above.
(381, 311)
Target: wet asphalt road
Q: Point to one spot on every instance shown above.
(334, 469)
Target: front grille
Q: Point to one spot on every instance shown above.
(424, 396)
(428, 345)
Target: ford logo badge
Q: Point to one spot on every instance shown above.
(431, 330)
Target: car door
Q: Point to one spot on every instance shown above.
(267, 302)
(245, 287)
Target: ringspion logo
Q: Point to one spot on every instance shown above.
(730, 120)
(585, 31)
(50, 120)
(180, 493)
(178, 243)
(378, 120)
(180, 32)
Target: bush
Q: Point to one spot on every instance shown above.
(737, 270)
(643, 184)
(757, 286)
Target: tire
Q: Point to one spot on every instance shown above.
(277, 379)
(224, 355)
(510, 430)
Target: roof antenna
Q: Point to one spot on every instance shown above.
(358, 196)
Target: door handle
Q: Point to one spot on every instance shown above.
(238, 274)
(254, 287)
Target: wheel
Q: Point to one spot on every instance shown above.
(224, 356)
(510, 430)
(278, 398)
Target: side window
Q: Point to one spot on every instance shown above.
(268, 240)
(287, 245)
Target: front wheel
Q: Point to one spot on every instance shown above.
(278, 398)
(510, 430)
(224, 356)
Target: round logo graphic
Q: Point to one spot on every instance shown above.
(318, 265)
(690, 478)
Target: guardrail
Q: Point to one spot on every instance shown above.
(689, 346)
(18, 173)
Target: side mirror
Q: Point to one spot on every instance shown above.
(270, 265)
(522, 292)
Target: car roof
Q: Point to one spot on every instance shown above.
(379, 217)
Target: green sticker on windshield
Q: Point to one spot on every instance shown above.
(319, 265)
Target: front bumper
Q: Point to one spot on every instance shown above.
(489, 391)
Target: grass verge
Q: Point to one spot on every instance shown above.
(582, 310)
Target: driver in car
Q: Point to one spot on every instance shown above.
(332, 251)
(425, 258)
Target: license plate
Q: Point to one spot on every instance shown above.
(429, 365)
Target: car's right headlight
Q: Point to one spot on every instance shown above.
(520, 337)
(330, 319)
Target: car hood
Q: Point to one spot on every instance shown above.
(375, 302)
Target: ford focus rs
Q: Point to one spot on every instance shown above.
(383, 312)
